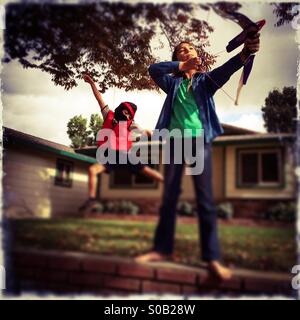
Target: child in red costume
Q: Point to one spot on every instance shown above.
(124, 112)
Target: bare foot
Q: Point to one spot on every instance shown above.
(151, 257)
(220, 271)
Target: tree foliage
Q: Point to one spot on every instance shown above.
(81, 133)
(114, 42)
(280, 111)
(78, 131)
(285, 12)
(95, 125)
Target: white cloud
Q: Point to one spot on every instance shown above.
(46, 114)
(250, 121)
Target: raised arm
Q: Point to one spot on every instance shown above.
(219, 76)
(97, 94)
(216, 78)
(160, 73)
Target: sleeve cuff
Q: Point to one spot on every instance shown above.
(176, 65)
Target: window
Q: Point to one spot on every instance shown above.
(123, 178)
(64, 173)
(259, 167)
(249, 163)
(270, 167)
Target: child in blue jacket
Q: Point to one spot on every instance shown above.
(189, 105)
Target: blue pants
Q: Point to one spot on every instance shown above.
(164, 234)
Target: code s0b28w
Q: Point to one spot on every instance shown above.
(171, 309)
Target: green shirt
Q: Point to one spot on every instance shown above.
(185, 112)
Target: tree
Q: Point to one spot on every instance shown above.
(114, 42)
(285, 12)
(95, 125)
(80, 133)
(280, 111)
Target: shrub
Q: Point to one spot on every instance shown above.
(133, 209)
(109, 206)
(225, 210)
(123, 206)
(98, 207)
(184, 208)
(282, 211)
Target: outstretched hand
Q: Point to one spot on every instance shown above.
(251, 45)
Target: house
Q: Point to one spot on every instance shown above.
(251, 170)
(44, 179)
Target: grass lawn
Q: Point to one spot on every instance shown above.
(260, 248)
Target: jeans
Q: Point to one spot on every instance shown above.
(164, 234)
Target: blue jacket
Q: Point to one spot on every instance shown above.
(204, 87)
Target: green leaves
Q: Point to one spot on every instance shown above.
(113, 42)
(77, 131)
(280, 111)
(96, 123)
(80, 134)
(285, 12)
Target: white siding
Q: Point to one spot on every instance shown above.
(187, 186)
(129, 193)
(29, 189)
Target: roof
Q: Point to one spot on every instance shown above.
(236, 135)
(228, 130)
(233, 130)
(258, 137)
(13, 137)
(221, 140)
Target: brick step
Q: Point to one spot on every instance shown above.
(82, 273)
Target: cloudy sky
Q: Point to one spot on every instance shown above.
(33, 104)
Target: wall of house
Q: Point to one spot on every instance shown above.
(224, 185)
(149, 199)
(29, 189)
(286, 191)
(129, 193)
